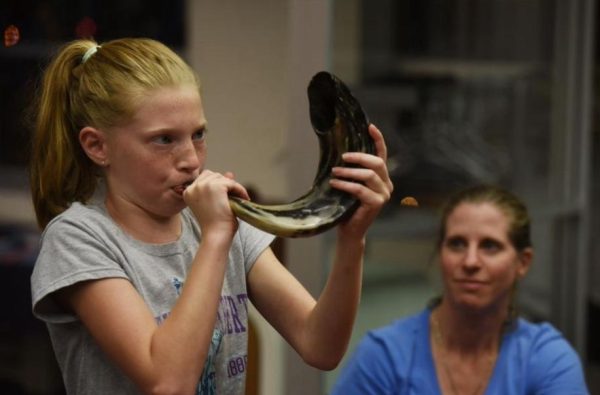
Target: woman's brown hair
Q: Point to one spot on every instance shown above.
(508, 203)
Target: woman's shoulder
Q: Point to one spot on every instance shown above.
(548, 357)
(401, 330)
(543, 346)
(393, 344)
(537, 333)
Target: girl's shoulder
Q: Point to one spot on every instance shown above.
(81, 216)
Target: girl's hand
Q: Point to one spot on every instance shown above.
(370, 183)
(208, 198)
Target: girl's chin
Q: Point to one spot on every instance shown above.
(179, 206)
(173, 206)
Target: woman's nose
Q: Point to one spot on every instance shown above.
(471, 260)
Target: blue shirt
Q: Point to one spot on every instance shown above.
(534, 359)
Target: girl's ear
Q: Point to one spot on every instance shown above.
(93, 142)
(525, 259)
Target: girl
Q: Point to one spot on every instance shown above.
(144, 273)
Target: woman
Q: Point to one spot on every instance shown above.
(469, 341)
(144, 283)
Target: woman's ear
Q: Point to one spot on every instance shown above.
(93, 142)
(525, 259)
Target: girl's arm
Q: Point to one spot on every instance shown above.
(320, 330)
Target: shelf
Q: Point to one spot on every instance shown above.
(468, 69)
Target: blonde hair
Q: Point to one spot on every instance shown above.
(102, 91)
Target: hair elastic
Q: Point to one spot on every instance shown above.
(88, 54)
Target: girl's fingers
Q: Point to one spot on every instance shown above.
(369, 181)
(363, 193)
(209, 180)
(238, 190)
(233, 187)
(366, 177)
(364, 161)
(380, 147)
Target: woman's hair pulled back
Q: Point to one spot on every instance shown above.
(102, 91)
(508, 203)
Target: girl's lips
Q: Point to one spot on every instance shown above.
(179, 189)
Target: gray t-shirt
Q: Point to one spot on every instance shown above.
(83, 243)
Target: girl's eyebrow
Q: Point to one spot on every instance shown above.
(166, 129)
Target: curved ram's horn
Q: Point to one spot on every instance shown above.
(341, 126)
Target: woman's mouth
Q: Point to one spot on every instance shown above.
(471, 285)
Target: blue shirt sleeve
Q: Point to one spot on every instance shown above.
(555, 368)
(368, 372)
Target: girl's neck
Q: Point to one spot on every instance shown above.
(144, 226)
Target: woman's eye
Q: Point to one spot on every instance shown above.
(455, 243)
(491, 245)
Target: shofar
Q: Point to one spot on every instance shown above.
(341, 126)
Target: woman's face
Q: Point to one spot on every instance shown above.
(152, 158)
(478, 261)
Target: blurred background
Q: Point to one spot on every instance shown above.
(465, 91)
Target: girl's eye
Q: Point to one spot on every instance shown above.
(455, 243)
(199, 135)
(163, 139)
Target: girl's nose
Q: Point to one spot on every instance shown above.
(188, 157)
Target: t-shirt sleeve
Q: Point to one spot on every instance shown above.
(556, 367)
(254, 242)
(368, 371)
(70, 253)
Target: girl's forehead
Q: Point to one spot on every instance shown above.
(171, 100)
(171, 108)
(169, 94)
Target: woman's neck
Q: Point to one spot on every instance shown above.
(468, 332)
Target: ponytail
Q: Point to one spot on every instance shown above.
(60, 172)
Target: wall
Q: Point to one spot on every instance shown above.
(239, 50)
